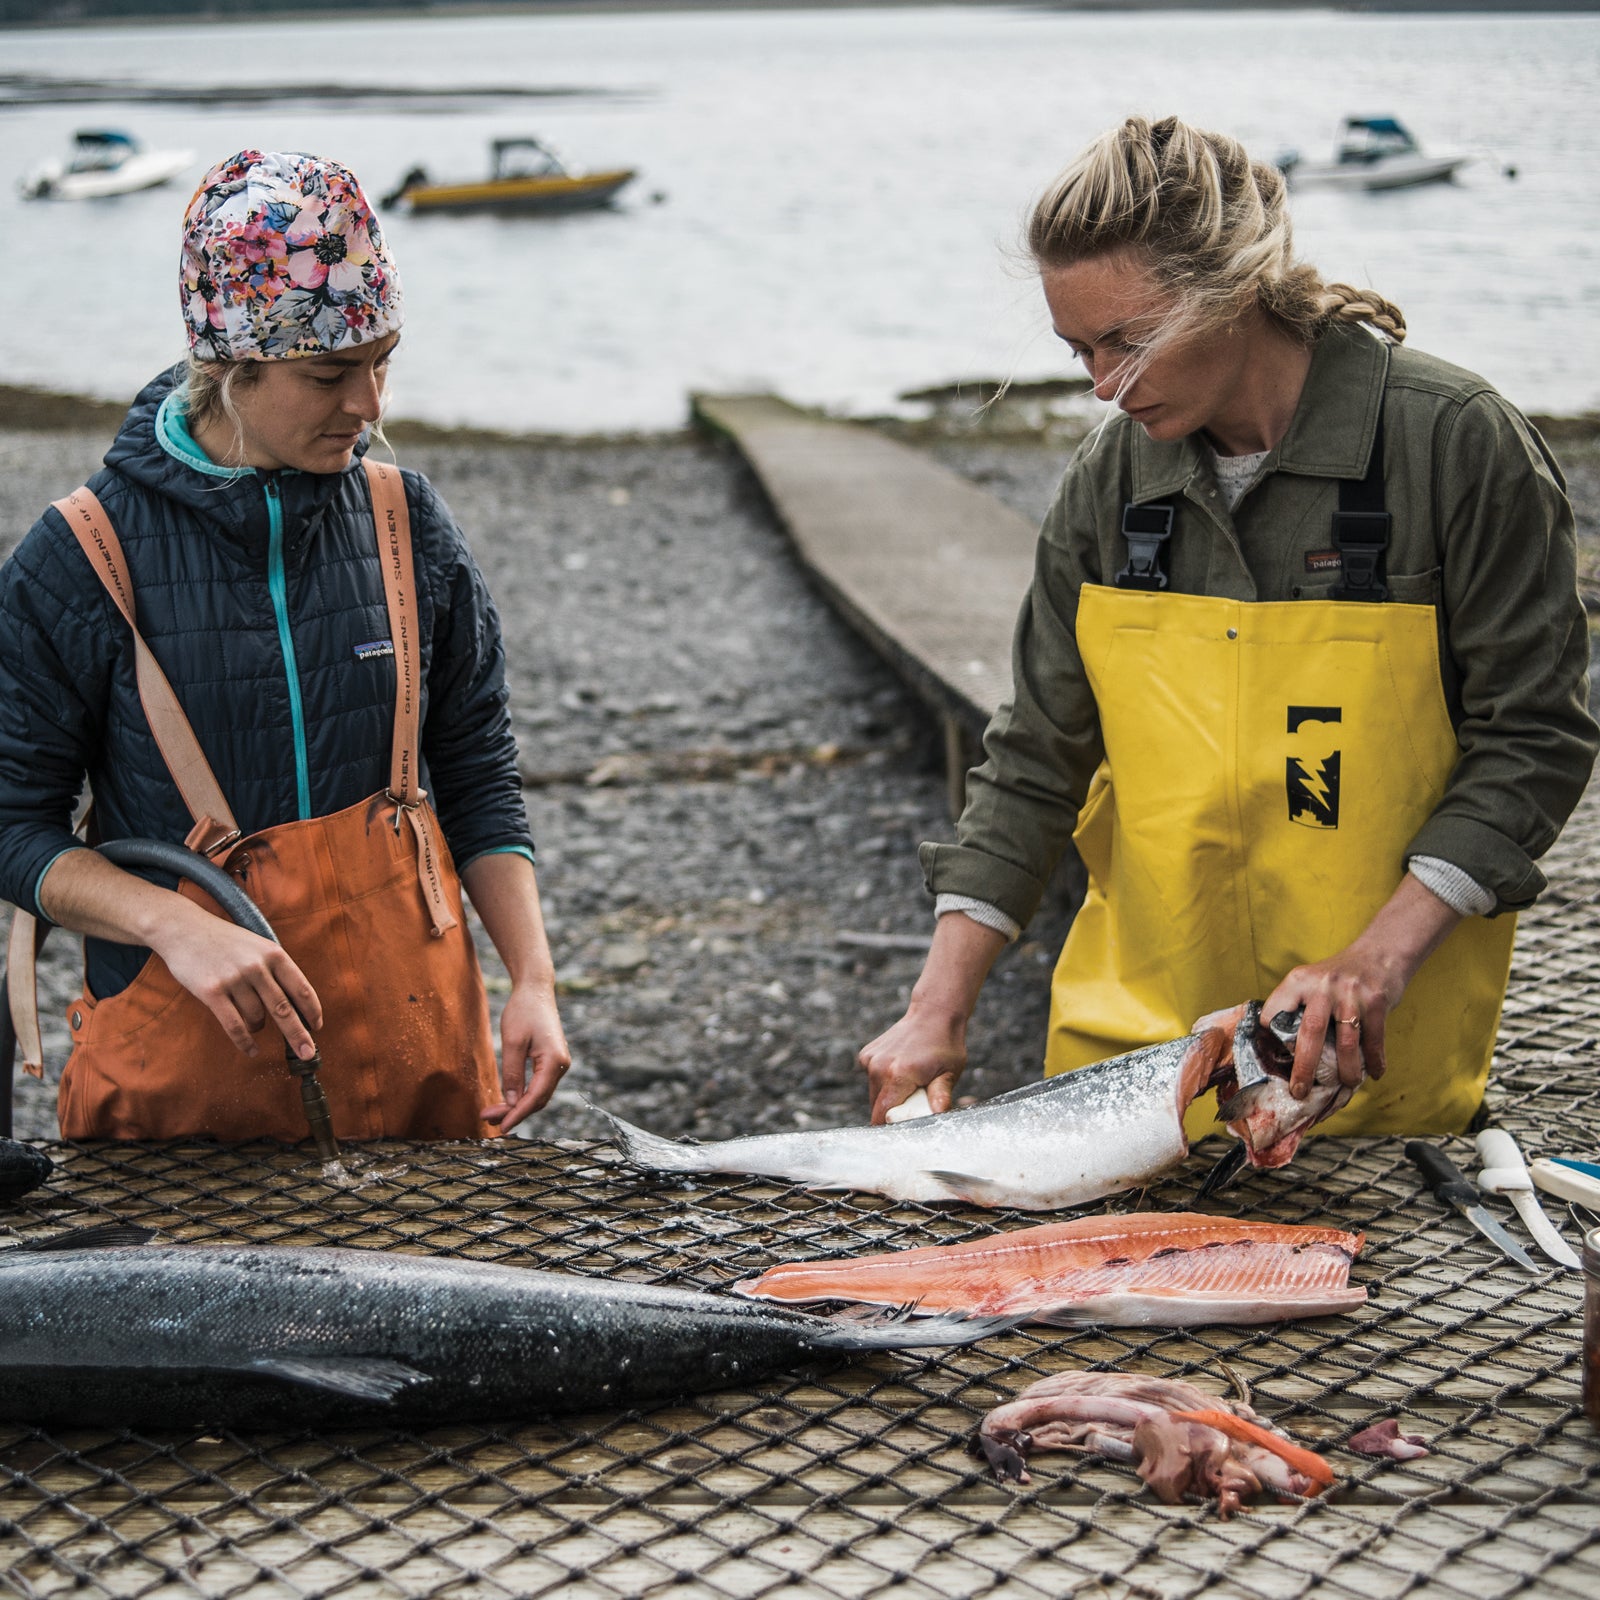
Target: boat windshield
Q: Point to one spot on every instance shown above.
(99, 151)
(1368, 139)
(524, 158)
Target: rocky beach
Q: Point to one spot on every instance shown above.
(726, 787)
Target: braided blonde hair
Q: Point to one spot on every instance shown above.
(1211, 225)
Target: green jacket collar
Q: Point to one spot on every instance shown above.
(1330, 435)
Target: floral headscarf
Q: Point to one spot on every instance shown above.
(282, 256)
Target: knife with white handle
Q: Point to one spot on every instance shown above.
(1568, 1180)
(1504, 1172)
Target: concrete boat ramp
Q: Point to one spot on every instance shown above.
(926, 565)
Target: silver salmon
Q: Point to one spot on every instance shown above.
(1059, 1142)
(202, 1335)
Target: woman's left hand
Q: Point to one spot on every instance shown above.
(1356, 989)
(533, 1055)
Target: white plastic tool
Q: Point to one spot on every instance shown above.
(1504, 1172)
(1567, 1182)
(917, 1105)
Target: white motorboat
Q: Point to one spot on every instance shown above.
(1374, 153)
(104, 162)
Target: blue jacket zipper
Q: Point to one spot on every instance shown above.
(278, 587)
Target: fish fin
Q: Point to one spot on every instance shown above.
(648, 1151)
(1068, 1316)
(868, 1315)
(900, 1331)
(98, 1236)
(351, 1377)
(967, 1186)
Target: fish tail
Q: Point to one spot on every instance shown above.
(650, 1151)
(898, 1330)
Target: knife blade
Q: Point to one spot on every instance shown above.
(1448, 1185)
(1504, 1172)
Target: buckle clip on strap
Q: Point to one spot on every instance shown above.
(1363, 541)
(1147, 529)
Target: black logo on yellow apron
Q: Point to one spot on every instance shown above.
(1312, 769)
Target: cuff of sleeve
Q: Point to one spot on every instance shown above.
(1504, 869)
(1459, 890)
(980, 911)
(501, 850)
(38, 882)
(959, 869)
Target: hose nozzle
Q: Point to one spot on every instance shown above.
(318, 1114)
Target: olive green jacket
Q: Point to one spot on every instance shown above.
(1482, 531)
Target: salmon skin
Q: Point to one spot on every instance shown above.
(1059, 1142)
(1167, 1269)
(169, 1336)
(1180, 1439)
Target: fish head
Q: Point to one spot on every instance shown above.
(1265, 1116)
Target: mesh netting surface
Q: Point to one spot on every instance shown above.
(855, 1481)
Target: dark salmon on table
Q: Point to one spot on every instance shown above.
(172, 1336)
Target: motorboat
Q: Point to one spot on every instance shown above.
(525, 175)
(1374, 153)
(104, 162)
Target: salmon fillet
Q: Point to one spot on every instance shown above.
(1177, 1269)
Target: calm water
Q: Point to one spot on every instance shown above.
(840, 191)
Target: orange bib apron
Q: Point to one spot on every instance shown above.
(367, 903)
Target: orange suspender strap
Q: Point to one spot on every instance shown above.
(392, 520)
(214, 827)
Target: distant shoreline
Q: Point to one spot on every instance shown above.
(25, 408)
(382, 12)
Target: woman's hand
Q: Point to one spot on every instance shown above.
(923, 1050)
(243, 980)
(927, 1047)
(533, 1054)
(1356, 989)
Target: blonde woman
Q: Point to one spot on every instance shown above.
(1301, 670)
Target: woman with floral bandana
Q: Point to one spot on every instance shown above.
(252, 638)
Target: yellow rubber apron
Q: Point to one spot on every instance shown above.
(1267, 764)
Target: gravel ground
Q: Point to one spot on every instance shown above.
(722, 781)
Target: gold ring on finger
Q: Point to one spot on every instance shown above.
(1349, 1022)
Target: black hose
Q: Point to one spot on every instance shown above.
(183, 862)
(177, 859)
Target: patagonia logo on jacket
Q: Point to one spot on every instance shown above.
(373, 649)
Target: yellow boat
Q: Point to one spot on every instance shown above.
(524, 176)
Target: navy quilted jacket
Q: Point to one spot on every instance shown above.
(264, 618)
